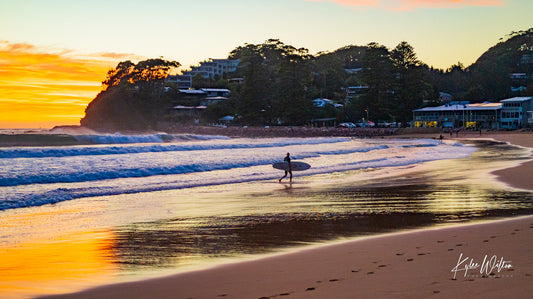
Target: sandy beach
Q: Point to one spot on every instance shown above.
(489, 260)
(404, 265)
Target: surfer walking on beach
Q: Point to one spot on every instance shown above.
(289, 169)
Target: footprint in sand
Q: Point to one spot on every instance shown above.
(450, 249)
(370, 273)
(440, 241)
(399, 254)
(355, 271)
(310, 289)
(410, 260)
(382, 266)
(333, 280)
(485, 241)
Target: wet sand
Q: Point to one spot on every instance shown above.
(411, 264)
(520, 175)
(402, 265)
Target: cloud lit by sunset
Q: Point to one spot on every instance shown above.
(413, 4)
(41, 87)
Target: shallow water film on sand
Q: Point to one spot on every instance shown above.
(77, 216)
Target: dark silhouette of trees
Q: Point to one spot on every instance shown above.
(132, 97)
(274, 90)
(412, 88)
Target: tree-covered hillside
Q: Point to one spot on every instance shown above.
(133, 97)
(490, 77)
(279, 83)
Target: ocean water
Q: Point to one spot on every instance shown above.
(130, 207)
(117, 164)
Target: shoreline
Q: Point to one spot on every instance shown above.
(404, 264)
(519, 176)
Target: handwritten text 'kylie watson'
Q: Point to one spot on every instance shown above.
(487, 267)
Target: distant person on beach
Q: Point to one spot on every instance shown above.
(289, 170)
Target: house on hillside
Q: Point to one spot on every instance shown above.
(321, 103)
(207, 69)
(445, 97)
(190, 97)
(355, 92)
(216, 92)
(215, 95)
(187, 113)
(205, 96)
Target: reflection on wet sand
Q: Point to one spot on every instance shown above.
(342, 214)
(43, 267)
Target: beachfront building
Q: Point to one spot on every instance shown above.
(517, 113)
(459, 115)
(513, 113)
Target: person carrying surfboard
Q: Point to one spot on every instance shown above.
(289, 170)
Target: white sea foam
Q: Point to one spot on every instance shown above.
(138, 147)
(42, 175)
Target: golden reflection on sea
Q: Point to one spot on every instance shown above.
(43, 266)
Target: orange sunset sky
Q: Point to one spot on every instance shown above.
(40, 88)
(54, 54)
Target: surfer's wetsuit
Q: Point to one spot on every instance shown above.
(288, 160)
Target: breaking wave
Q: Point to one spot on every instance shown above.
(31, 176)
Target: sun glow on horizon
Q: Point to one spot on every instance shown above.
(41, 88)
